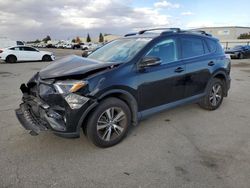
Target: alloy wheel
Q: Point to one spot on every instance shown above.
(215, 95)
(111, 124)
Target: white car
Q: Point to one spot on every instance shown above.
(24, 53)
(67, 46)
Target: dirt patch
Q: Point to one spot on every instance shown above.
(237, 79)
(245, 70)
(5, 74)
(181, 170)
(241, 64)
(167, 120)
(209, 162)
(36, 69)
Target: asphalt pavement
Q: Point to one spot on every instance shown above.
(182, 147)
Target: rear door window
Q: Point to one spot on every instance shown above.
(192, 47)
(14, 48)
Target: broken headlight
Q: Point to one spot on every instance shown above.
(69, 86)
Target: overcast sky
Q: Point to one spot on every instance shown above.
(66, 19)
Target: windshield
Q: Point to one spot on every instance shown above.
(120, 50)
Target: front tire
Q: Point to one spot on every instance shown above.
(108, 124)
(214, 95)
(46, 58)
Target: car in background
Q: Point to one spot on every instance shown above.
(84, 46)
(239, 52)
(77, 45)
(50, 46)
(24, 53)
(67, 46)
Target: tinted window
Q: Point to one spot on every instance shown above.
(211, 45)
(28, 49)
(14, 48)
(192, 47)
(165, 50)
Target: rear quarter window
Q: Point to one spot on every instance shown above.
(214, 46)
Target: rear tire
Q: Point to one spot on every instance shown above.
(46, 58)
(214, 95)
(108, 124)
(11, 59)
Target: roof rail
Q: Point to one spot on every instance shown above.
(156, 29)
(198, 31)
(168, 31)
(130, 34)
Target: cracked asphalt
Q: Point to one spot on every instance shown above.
(182, 147)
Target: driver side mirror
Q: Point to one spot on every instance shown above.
(149, 62)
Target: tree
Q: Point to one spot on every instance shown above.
(88, 39)
(37, 41)
(73, 40)
(244, 36)
(46, 39)
(78, 40)
(101, 38)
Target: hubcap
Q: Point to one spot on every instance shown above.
(111, 123)
(215, 95)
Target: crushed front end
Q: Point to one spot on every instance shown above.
(46, 105)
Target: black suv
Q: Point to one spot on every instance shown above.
(125, 81)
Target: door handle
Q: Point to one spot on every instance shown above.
(179, 69)
(211, 63)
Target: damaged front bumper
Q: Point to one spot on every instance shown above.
(36, 115)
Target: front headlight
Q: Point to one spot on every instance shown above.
(69, 86)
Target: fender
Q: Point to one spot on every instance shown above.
(226, 77)
(84, 115)
(129, 99)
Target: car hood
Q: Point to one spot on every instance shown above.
(232, 51)
(71, 66)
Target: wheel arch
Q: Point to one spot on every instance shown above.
(9, 56)
(123, 95)
(223, 77)
(128, 98)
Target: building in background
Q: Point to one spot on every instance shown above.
(226, 33)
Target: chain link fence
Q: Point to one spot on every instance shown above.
(231, 43)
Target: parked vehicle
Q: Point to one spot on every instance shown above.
(84, 46)
(59, 45)
(5, 42)
(77, 45)
(24, 53)
(67, 46)
(123, 82)
(239, 52)
(50, 46)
